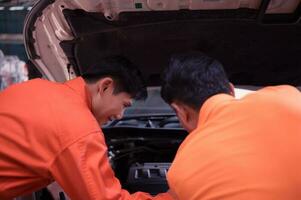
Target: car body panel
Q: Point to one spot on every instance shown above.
(46, 27)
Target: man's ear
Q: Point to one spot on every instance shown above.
(188, 117)
(104, 85)
(182, 113)
(232, 91)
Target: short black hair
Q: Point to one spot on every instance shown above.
(125, 74)
(191, 78)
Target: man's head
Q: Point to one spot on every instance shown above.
(113, 82)
(189, 80)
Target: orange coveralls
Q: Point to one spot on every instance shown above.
(242, 149)
(47, 133)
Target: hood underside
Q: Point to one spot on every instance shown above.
(258, 44)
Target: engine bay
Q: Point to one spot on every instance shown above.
(141, 156)
(140, 151)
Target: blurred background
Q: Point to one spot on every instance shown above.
(14, 65)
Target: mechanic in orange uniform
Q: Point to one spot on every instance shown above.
(50, 132)
(237, 149)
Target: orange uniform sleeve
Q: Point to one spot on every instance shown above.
(83, 171)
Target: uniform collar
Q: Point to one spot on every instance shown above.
(210, 104)
(78, 85)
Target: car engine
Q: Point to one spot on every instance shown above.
(140, 150)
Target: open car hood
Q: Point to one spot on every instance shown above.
(258, 41)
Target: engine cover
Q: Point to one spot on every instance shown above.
(148, 177)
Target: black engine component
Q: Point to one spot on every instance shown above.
(150, 177)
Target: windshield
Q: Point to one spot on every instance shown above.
(154, 104)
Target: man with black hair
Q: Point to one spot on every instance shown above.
(248, 148)
(51, 132)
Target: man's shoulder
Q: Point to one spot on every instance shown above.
(35, 85)
(42, 82)
(281, 94)
(280, 89)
